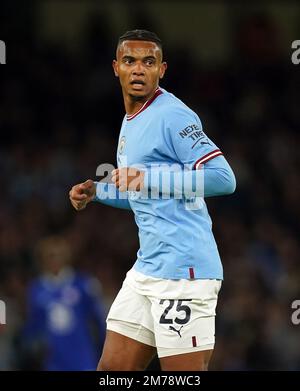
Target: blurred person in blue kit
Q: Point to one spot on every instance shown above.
(66, 318)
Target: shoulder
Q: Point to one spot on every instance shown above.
(35, 285)
(172, 109)
(90, 285)
(36, 292)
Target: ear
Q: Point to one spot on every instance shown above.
(163, 69)
(115, 67)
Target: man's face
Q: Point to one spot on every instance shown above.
(55, 256)
(139, 66)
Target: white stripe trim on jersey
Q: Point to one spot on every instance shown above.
(207, 157)
(144, 105)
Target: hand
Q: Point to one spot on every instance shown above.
(128, 178)
(82, 194)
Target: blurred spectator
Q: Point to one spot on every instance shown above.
(62, 303)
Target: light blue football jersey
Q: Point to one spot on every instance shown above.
(175, 241)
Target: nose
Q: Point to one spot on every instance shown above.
(138, 70)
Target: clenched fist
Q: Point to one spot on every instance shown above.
(128, 178)
(82, 194)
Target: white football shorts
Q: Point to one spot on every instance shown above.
(175, 316)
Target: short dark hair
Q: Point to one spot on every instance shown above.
(140, 35)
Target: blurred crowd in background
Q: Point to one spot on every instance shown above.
(60, 117)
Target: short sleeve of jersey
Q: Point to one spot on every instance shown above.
(188, 141)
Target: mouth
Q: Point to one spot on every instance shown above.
(137, 84)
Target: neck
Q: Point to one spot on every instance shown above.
(133, 104)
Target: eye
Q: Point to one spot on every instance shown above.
(149, 61)
(127, 61)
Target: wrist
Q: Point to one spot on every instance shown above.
(142, 180)
(94, 198)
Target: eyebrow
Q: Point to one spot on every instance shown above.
(133, 58)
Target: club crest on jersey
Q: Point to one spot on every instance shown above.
(122, 145)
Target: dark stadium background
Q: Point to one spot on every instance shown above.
(60, 114)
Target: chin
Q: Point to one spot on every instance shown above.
(137, 95)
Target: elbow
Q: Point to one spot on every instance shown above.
(230, 186)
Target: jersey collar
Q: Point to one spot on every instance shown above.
(157, 92)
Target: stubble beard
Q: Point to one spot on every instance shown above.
(139, 98)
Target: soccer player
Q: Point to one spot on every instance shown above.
(168, 299)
